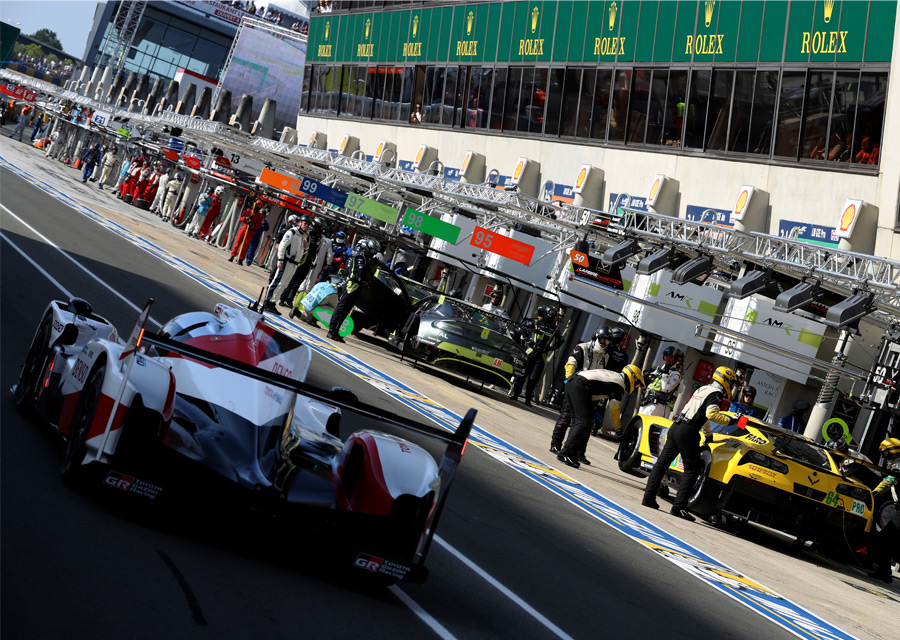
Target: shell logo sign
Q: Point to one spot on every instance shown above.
(520, 166)
(312, 139)
(379, 150)
(344, 142)
(848, 219)
(740, 206)
(582, 177)
(655, 188)
(465, 164)
(419, 155)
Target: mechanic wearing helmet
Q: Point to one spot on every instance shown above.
(320, 255)
(886, 543)
(702, 408)
(495, 304)
(361, 264)
(662, 383)
(583, 391)
(541, 338)
(252, 218)
(286, 299)
(584, 357)
(106, 166)
(745, 405)
(213, 206)
(796, 419)
(90, 159)
(339, 252)
(289, 248)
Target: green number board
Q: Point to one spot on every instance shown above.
(371, 208)
(433, 227)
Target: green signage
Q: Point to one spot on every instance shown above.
(612, 31)
(371, 208)
(433, 227)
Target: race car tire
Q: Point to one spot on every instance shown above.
(72, 470)
(629, 456)
(726, 522)
(703, 496)
(26, 389)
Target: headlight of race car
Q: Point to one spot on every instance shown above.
(764, 461)
(857, 493)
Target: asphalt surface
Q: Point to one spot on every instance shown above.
(512, 559)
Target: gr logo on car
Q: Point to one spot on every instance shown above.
(369, 563)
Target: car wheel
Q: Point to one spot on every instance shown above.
(73, 470)
(35, 361)
(629, 447)
(703, 499)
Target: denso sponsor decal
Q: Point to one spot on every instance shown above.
(763, 601)
(130, 484)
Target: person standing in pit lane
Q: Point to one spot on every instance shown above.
(584, 357)
(886, 543)
(107, 164)
(662, 383)
(745, 405)
(703, 407)
(286, 299)
(289, 249)
(90, 159)
(541, 339)
(796, 420)
(584, 391)
(361, 263)
(495, 304)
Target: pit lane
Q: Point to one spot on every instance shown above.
(521, 535)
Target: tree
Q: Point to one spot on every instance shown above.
(48, 37)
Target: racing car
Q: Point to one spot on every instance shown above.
(217, 403)
(762, 473)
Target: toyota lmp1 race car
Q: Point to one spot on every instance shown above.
(216, 403)
(759, 472)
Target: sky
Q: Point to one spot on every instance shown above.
(70, 19)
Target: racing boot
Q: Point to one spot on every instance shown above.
(271, 308)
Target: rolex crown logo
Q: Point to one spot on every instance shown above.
(710, 7)
(613, 10)
(415, 25)
(535, 13)
(368, 26)
(327, 28)
(470, 20)
(829, 7)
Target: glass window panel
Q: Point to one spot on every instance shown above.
(568, 103)
(790, 113)
(538, 101)
(637, 110)
(304, 91)
(511, 108)
(696, 108)
(819, 90)
(840, 130)
(870, 117)
(476, 105)
(675, 105)
(396, 92)
(334, 89)
(600, 104)
(555, 92)
(656, 114)
(763, 114)
(435, 97)
(586, 103)
(619, 110)
(449, 95)
(498, 98)
(719, 107)
(406, 95)
(525, 100)
(459, 102)
(742, 105)
(348, 100)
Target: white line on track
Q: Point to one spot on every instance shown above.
(22, 253)
(423, 615)
(76, 263)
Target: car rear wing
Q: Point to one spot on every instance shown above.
(455, 441)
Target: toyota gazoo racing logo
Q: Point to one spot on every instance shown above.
(381, 565)
(130, 484)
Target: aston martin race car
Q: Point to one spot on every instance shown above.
(460, 336)
(762, 473)
(218, 403)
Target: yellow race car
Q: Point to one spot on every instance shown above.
(758, 472)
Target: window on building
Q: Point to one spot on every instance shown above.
(676, 91)
(741, 109)
(656, 107)
(526, 101)
(637, 110)
(600, 104)
(696, 109)
(790, 114)
(814, 132)
(434, 95)
(459, 99)
(478, 98)
(840, 126)
(719, 109)
(409, 82)
(555, 89)
(538, 108)
(618, 113)
(304, 92)
(449, 98)
(498, 98)
(395, 96)
(511, 108)
(869, 109)
(763, 115)
(567, 108)
(586, 103)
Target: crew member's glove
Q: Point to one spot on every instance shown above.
(733, 420)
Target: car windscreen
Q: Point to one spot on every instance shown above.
(799, 450)
(466, 312)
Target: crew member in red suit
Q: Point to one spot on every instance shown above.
(251, 219)
(143, 180)
(213, 211)
(149, 191)
(133, 175)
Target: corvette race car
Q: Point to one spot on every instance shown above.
(759, 472)
(216, 403)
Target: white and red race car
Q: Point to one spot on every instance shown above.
(218, 402)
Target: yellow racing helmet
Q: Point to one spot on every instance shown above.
(890, 448)
(634, 376)
(725, 377)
